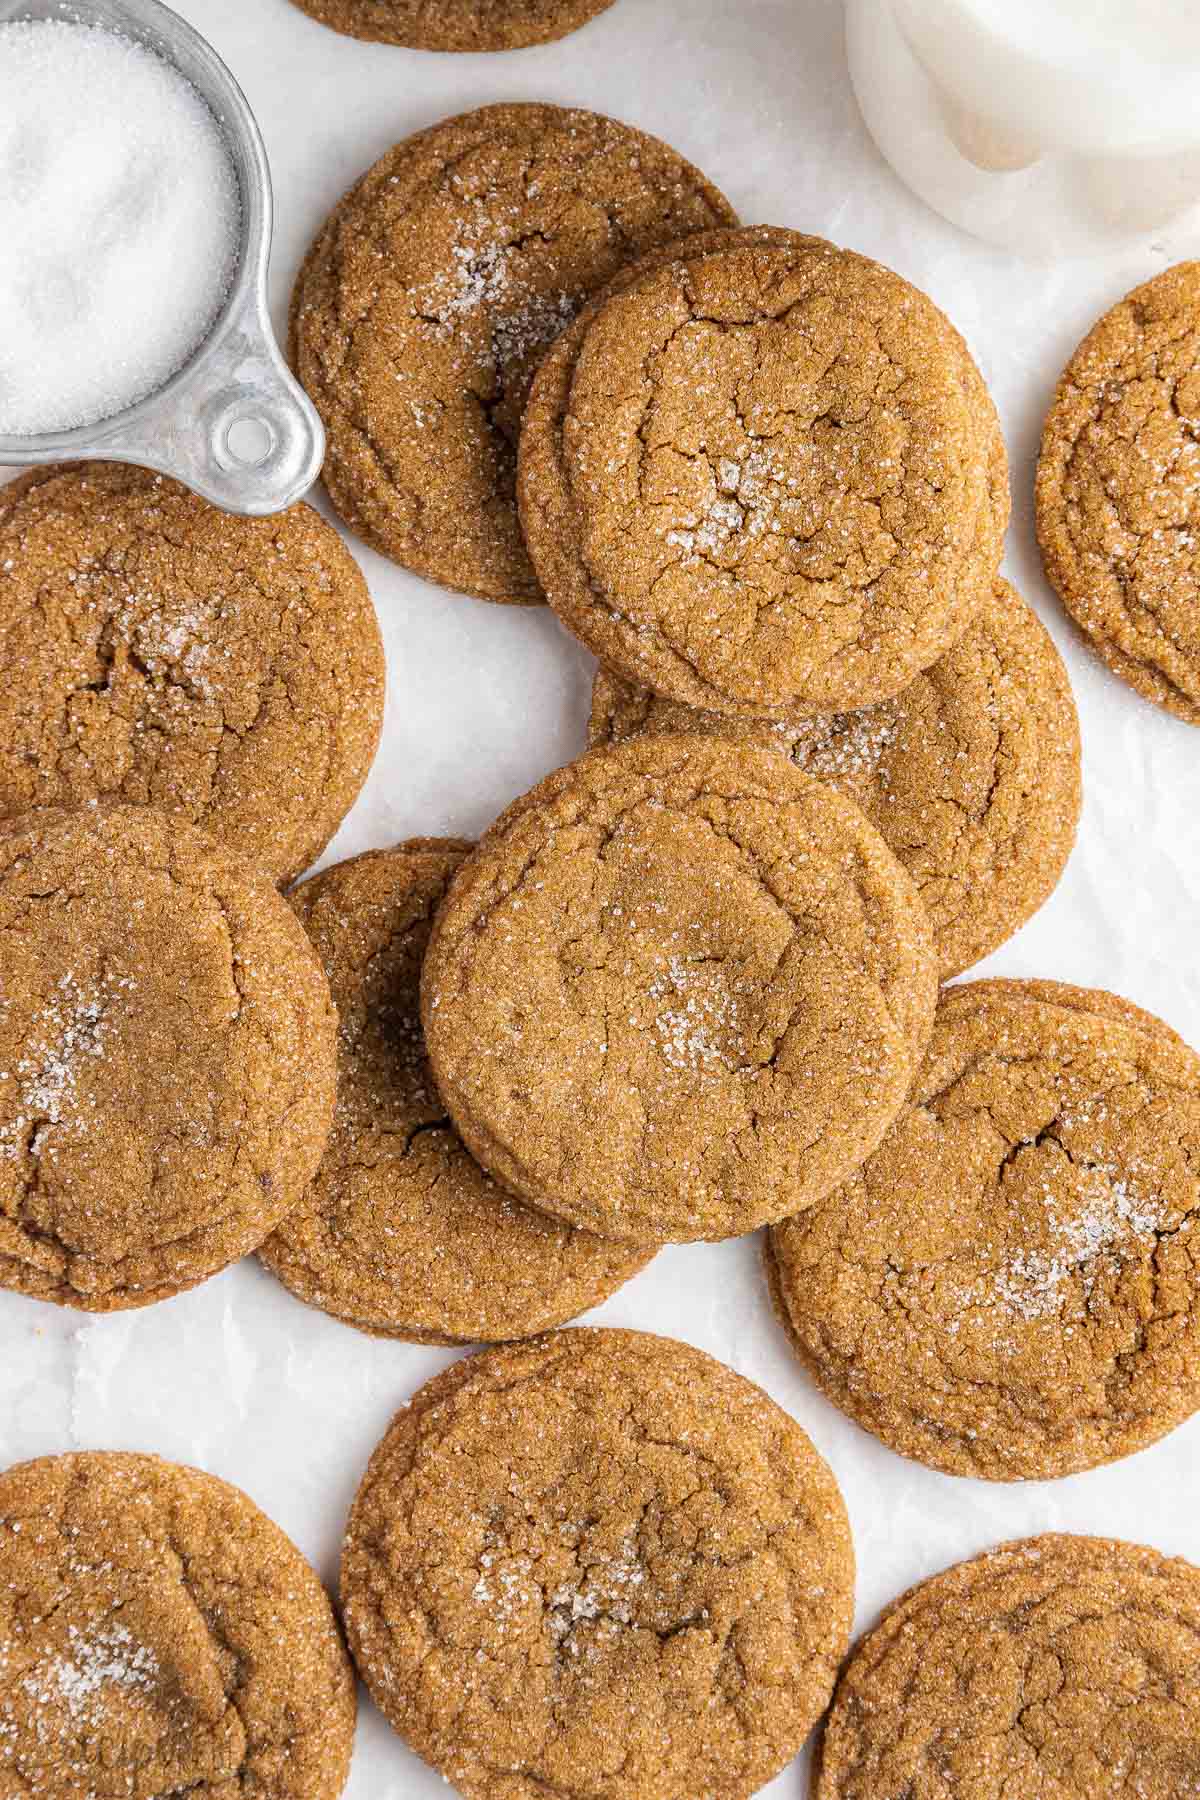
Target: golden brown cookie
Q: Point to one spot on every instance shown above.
(159, 1635)
(167, 1057)
(763, 477)
(600, 1562)
(555, 378)
(1096, 1001)
(1008, 1287)
(679, 989)
(971, 775)
(1057, 1668)
(1118, 490)
(456, 24)
(429, 298)
(401, 1233)
(161, 652)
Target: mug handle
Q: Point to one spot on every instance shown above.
(236, 426)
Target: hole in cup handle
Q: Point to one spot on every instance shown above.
(238, 429)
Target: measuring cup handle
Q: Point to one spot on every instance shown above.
(237, 428)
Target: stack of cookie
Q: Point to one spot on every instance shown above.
(796, 545)
(683, 988)
(762, 475)
(402, 1233)
(430, 296)
(599, 1553)
(687, 986)
(194, 702)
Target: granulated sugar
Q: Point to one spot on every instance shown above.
(487, 281)
(1108, 1216)
(108, 1659)
(744, 502)
(700, 1027)
(119, 219)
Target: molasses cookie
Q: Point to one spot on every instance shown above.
(1096, 1001)
(1118, 490)
(431, 295)
(802, 492)
(167, 1057)
(1008, 1287)
(1059, 1666)
(602, 1561)
(971, 775)
(159, 1635)
(161, 652)
(680, 989)
(402, 1233)
(456, 24)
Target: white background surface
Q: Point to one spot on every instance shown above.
(243, 1380)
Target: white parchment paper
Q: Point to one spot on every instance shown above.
(239, 1377)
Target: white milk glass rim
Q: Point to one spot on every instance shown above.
(1093, 76)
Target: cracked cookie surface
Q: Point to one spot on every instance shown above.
(763, 476)
(680, 989)
(1118, 490)
(167, 1057)
(430, 296)
(456, 24)
(1055, 1668)
(159, 1635)
(227, 669)
(600, 1566)
(1007, 1288)
(401, 1233)
(971, 775)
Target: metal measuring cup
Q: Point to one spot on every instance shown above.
(232, 424)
